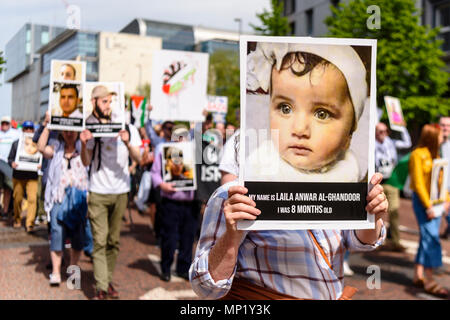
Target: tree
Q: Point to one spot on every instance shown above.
(409, 64)
(224, 80)
(273, 22)
(2, 61)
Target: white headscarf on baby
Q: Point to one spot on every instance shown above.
(344, 57)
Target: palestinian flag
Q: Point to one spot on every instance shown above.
(138, 110)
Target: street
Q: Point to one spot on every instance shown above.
(24, 259)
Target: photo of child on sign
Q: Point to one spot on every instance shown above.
(28, 158)
(178, 165)
(308, 117)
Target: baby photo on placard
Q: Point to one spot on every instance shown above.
(178, 165)
(308, 115)
(28, 158)
(104, 108)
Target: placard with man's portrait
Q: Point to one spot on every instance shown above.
(68, 70)
(28, 158)
(178, 165)
(66, 106)
(104, 108)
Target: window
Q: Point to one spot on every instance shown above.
(44, 37)
(335, 3)
(292, 26)
(442, 15)
(309, 22)
(28, 43)
(288, 7)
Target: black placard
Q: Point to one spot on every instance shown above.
(70, 122)
(309, 201)
(104, 127)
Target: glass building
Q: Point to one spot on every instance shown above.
(185, 37)
(210, 46)
(174, 36)
(20, 51)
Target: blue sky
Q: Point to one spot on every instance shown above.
(113, 15)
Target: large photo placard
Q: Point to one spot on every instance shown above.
(308, 115)
(179, 83)
(66, 95)
(28, 158)
(104, 108)
(178, 165)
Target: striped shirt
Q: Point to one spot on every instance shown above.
(287, 261)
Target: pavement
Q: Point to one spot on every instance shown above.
(24, 258)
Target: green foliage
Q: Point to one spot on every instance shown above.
(273, 22)
(409, 64)
(2, 61)
(144, 90)
(224, 80)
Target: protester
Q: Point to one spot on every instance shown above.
(239, 264)
(162, 133)
(178, 220)
(228, 166)
(444, 123)
(145, 165)
(23, 181)
(7, 136)
(107, 159)
(386, 158)
(65, 171)
(429, 254)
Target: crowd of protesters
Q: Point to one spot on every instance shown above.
(85, 184)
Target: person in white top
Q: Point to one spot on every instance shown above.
(7, 136)
(107, 159)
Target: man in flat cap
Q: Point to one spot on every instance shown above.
(101, 99)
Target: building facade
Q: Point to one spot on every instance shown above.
(185, 37)
(22, 68)
(125, 56)
(306, 18)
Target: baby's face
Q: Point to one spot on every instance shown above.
(30, 147)
(313, 115)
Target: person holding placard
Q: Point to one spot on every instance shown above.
(178, 219)
(386, 159)
(429, 254)
(315, 99)
(24, 181)
(7, 136)
(444, 123)
(66, 172)
(109, 184)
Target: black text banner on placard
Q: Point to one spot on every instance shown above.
(309, 201)
(67, 121)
